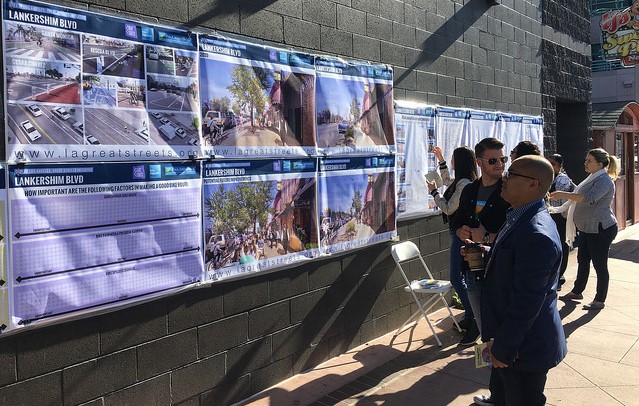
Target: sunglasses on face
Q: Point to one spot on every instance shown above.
(493, 161)
(509, 174)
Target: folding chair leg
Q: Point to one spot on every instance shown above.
(450, 312)
(399, 330)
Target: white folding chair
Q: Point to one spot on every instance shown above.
(407, 251)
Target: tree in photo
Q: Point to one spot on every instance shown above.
(356, 110)
(357, 202)
(248, 88)
(256, 199)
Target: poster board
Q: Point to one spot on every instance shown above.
(91, 235)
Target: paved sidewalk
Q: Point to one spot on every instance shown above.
(602, 366)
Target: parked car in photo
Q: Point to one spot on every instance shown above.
(61, 113)
(193, 141)
(78, 126)
(168, 131)
(35, 110)
(30, 130)
(343, 126)
(180, 132)
(164, 120)
(156, 115)
(92, 140)
(152, 53)
(213, 117)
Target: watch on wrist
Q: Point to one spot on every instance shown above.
(486, 237)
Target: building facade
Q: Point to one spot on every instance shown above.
(223, 343)
(615, 119)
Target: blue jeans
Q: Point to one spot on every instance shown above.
(595, 247)
(456, 276)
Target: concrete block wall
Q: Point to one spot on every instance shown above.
(221, 344)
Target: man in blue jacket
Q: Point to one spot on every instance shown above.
(519, 293)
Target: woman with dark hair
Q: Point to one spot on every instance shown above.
(524, 148)
(561, 183)
(464, 164)
(590, 213)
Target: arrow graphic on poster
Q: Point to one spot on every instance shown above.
(20, 278)
(24, 322)
(18, 235)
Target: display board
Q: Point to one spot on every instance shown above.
(415, 135)
(4, 280)
(259, 215)
(354, 108)
(357, 202)
(419, 127)
(90, 235)
(256, 101)
(144, 160)
(86, 87)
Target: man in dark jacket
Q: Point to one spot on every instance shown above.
(519, 295)
(481, 213)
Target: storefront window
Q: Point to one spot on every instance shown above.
(619, 152)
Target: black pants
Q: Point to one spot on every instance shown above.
(560, 221)
(511, 387)
(594, 247)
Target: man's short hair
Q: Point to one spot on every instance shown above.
(486, 144)
(540, 168)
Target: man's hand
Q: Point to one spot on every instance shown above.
(464, 233)
(477, 234)
(496, 363)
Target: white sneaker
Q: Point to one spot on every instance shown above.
(483, 400)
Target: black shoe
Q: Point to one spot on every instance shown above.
(465, 323)
(471, 335)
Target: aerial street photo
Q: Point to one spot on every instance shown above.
(44, 124)
(30, 41)
(42, 81)
(254, 221)
(245, 105)
(355, 207)
(112, 57)
(176, 93)
(116, 127)
(353, 113)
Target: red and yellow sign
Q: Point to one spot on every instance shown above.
(621, 34)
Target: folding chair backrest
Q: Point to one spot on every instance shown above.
(406, 251)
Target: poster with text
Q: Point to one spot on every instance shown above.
(354, 108)
(415, 136)
(255, 101)
(451, 130)
(258, 215)
(515, 128)
(86, 87)
(4, 281)
(356, 202)
(481, 124)
(87, 236)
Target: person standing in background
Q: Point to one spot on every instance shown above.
(465, 167)
(524, 148)
(561, 183)
(590, 212)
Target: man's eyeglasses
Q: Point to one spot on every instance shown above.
(493, 161)
(508, 174)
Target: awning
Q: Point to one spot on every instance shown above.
(606, 115)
